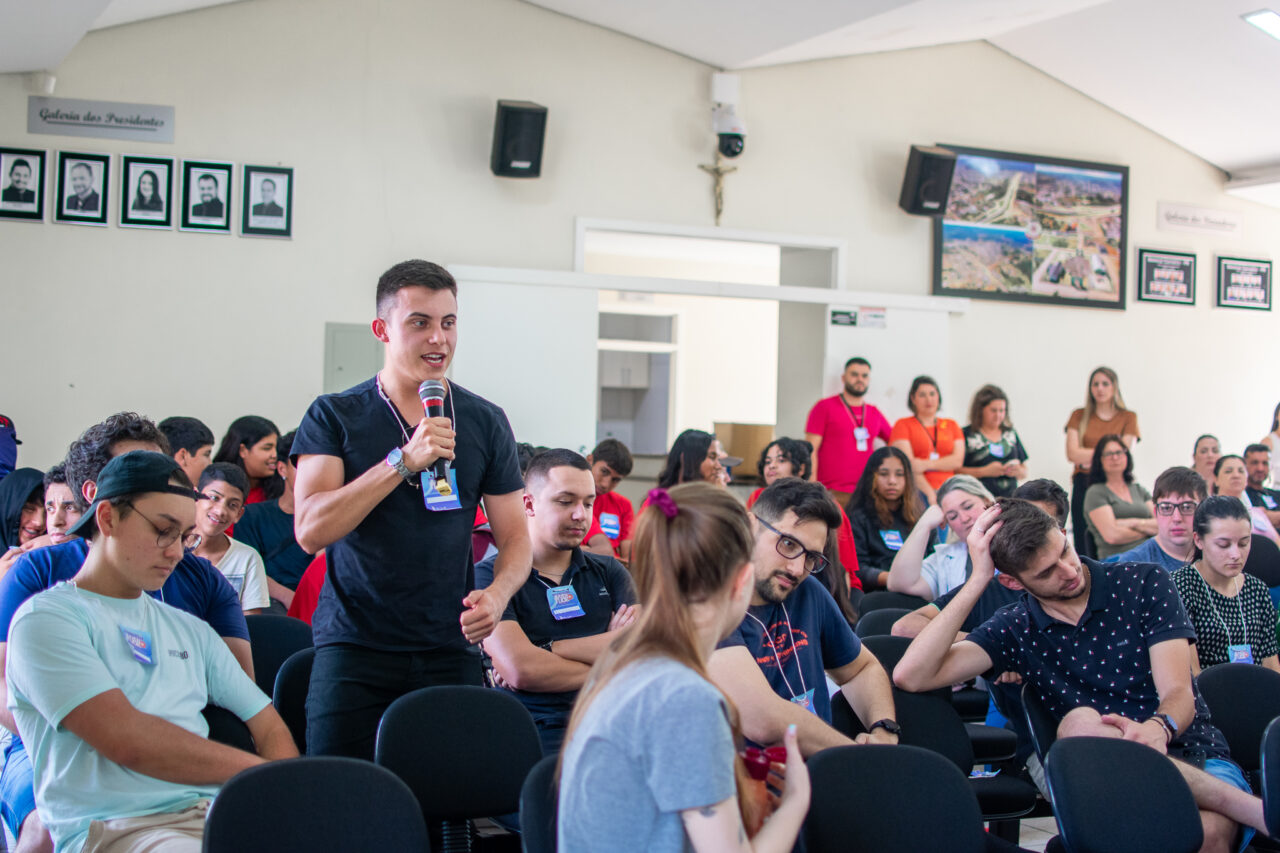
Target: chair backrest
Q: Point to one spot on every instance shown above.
(933, 806)
(1271, 773)
(464, 751)
(881, 599)
(539, 800)
(1043, 725)
(306, 804)
(1263, 561)
(879, 622)
(1117, 796)
(889, 650)
(1242, 698)
(290, 694)
(225, 727)
(928, 721)
(273, 639)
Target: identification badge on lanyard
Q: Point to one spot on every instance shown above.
(139, 643)
(1240, 653)
(934, 455)
(435, 499)
(892, 539)
(805, 700)
(1268, 500)
(862, 435)
(996, 449)
(611, 524)
(564, 602)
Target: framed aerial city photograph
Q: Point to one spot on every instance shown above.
(82, 188)
(22, 183)
(1166, 276)
(266, 203)
(1244, 283)
(146, 191)
(206, 196)
(1023, 228)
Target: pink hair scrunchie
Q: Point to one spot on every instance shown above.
(661, 498)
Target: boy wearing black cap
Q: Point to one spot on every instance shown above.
(107, 684)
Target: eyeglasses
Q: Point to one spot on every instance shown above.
(1114, 453)
(165, 538)
(1168, 508)
(788, 547)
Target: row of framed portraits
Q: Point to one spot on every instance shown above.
(154, 192)
(1171, 277)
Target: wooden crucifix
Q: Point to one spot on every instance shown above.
(718, 171)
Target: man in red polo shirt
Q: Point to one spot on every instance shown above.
(843, 430)
(610, 463)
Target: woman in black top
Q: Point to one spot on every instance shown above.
(883, 509)
(992, 450)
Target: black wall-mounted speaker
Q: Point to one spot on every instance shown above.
(928, 180)
(518, 130)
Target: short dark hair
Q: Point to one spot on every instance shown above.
(1196, 446)
(1046, 491)
(915, 386)
(225, 472)
(189, 434)
(558, 457)
(1096, 474)
(1179, 480)
(284, 445)
(414, 273)
(266, 181)
(89, 454)
(614, 454)
(808, 500)
(207, 177)
(82, 165)
(1217, 466)
(19, 162)
(57, 475)
(799, 453)
(1024, 530)
(1257, 448)
(857, 359)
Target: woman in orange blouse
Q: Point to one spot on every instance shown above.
(936, 444)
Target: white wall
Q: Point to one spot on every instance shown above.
(385, 109)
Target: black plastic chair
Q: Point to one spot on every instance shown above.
(273, 639)
(290, 694)
(304, 804)
(1243, 698)
(464, 751)
(1270, 772)
(943, 813)
(1043, 725)
(1263, 561)
(879, 622)
(1117, 796)
(539, 799)
(882, 598)
(226, 728)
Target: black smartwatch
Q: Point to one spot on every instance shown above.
(1170, 727)
(890, 726)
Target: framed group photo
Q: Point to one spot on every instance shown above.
(1244, 283)
(82, 188)
(206, 196)
(266, 201)
(1166, 276)
(22, 184)
(146, 191)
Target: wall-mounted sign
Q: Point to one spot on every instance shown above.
(1166, 276)
(1184, 217)
(866, 318)
(1244, 283)
(101, 119)
(844, 318)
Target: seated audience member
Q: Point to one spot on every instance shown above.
(1231, 611)
(1103, 413)
(60, 512)
(960, 501)
(650, 699)
(1231, 478)
(843, 431)
(1204, 456)
(122, 759)
(190, 442)
(1118, 509)
(22, 517)
(250, 443)
(1178, 491)
(993, 451)
(571, 608)
(1106, 647)
(1257, 463)
(884, 509)
(307, 595)
(789, 457)
(935, 445)
(775, 665)
(194, 585)
(694, 457)
(267, 528)
(610, 463)
(221, 504)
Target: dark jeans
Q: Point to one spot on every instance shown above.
(1079, 526)
(352, 685)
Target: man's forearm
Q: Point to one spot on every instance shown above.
(155, 747)
(870, 694)
(583, 649)
(921, 663)
(769, 723)
(540, 671)
(323, 518)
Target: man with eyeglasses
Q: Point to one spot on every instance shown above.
(1177, 493)
(775, 665)
(107, 685)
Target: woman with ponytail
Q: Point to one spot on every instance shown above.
(650, 761)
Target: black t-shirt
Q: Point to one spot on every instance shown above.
(269, 531)
(602, 586)
(397, 581)
(877, 545)
(1265, 498)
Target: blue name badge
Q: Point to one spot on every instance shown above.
(1268, 500)
(805, 700)
(1241, 653)
(435, 500)
(564, 603)
(610, 524)
(892, 539)
(139, 643)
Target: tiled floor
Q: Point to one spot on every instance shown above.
(1036, 833)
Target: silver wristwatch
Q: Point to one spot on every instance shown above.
(395, 459)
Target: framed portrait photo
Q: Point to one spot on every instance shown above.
(1166, 276)
(206, 196)
(22, 184)
(82, 188)
(266, 204)
(1244, 283)
(146, 191)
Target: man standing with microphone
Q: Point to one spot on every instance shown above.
(392, 495)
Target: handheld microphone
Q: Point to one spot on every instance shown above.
(431, 393)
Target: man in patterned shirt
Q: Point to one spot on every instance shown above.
(1106, 647)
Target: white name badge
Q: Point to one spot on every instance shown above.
(996, 449)
(861, 436)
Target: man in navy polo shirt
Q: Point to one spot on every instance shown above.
(570, 608)
(775, 665)
(1106, 647)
